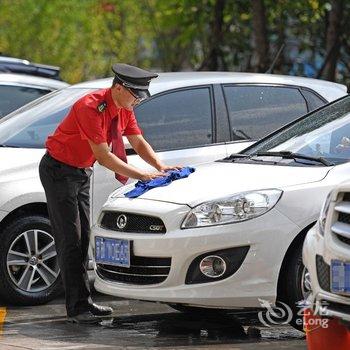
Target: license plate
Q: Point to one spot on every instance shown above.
(340, 277)
(112, 251)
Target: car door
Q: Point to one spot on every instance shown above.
(179, 124)
(257, 110)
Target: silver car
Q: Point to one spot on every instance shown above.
(190, 118)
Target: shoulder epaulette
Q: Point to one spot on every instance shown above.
(102, 106)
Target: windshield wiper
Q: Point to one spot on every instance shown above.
(291, 155)
(9, 146)
(233, 156)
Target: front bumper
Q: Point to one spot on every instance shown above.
(267, 237)
(317, 258)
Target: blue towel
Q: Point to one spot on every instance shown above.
(143, 186)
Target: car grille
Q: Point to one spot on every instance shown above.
(323, 273)
(343, 239)
(344, 217)
(337, 307)
(142, 270)
(341, 226)
(133, 223)
(346, 197)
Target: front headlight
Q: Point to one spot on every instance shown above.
(236, 208)
(324, 213)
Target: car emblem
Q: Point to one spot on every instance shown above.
(121, 221)
(156, 227)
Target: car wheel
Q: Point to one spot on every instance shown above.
(29, 272)
(297, 286)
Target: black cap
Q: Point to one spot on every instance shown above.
(133, 78)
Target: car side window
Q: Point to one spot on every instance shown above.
(178, 119)
(313, 100)
(13, 97)
(256, 111)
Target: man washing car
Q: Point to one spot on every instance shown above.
(95, 121)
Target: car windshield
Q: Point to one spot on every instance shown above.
(29, 126)
(321, 135)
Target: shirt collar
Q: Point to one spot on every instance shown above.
(112, 107)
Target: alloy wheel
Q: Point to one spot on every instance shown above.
(305, 283)
(32, 262)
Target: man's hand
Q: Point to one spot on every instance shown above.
(163, 168)
(151, 176)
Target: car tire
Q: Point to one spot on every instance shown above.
(24, 280)
(293, 292)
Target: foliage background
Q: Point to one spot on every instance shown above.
(85, 37)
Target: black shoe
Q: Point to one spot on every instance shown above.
(84, 318)
(99, 310)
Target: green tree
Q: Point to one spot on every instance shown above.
(85, 37)
(82, 37)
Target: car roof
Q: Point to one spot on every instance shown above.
(168, 81)
(18, 65)
(30, 80)
(13, 60)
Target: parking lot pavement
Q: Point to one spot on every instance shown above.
(140, 325)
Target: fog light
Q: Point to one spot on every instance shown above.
(230, 260)
(212, 266)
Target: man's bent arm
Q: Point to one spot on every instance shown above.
(107, 159)
(145, 151)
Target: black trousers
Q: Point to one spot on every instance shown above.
(67, 192)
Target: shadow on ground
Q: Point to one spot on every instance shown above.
(141, 325)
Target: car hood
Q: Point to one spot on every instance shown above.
(19, 163)
(219, 179)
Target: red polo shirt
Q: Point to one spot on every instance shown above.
(89, 119)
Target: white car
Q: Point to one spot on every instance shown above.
(232, 232)
(18, 89)
(326, 254)
(191, 118)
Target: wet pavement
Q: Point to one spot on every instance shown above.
(141, 325)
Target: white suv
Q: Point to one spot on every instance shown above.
(191, 118)
(326, 254)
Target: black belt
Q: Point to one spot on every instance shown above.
(54, 160)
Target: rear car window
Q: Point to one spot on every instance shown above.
(256, 111)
